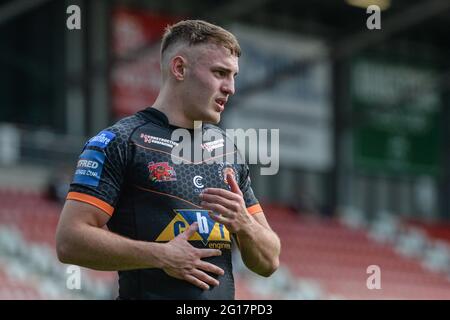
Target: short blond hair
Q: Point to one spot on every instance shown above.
(195, 32)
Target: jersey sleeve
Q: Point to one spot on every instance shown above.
(251, 202)
(100, 170)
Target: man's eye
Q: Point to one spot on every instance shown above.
(220, 73)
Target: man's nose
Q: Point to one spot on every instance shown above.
(228, 87)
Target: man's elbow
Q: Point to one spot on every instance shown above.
(64, 251)
(268, 269)
(273, 266)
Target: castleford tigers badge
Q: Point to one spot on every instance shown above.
(226, 171)
(161, 172)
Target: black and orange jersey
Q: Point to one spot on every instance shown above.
(127, 171)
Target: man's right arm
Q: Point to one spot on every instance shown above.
(81, 240)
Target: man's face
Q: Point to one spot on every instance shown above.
(209, 82)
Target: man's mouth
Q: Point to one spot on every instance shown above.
(221, 103)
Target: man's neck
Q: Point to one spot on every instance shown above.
(170, 105)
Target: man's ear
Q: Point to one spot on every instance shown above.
(177, 67)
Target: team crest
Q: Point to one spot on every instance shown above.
(161, 172)
(226, 171)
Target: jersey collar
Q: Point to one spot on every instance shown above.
(155, 116)
(159, 118)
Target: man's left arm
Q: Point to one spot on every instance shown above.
(260, 247)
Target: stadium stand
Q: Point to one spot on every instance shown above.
(29, 268)
(328, 259)
(439, 231)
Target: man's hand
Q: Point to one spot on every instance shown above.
(227, 207)
(183, 261)
(259, 245)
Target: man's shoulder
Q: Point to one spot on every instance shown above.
(125, 127)
(128, 124)
(116, 134)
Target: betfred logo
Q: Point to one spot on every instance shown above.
(87, 164)
(89, 168)
(161, 172)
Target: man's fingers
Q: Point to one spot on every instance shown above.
(189, 231)
(211, 198)
(233, 184)
(196, 282)
(216, 208)
(209, 267)
(227, 194)
(205, 278)
(205, 253)
(219, 219)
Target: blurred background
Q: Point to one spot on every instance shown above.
(364, 176)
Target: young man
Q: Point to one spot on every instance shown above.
(169, 225)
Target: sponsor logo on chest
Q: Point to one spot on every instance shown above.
(148, 139)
